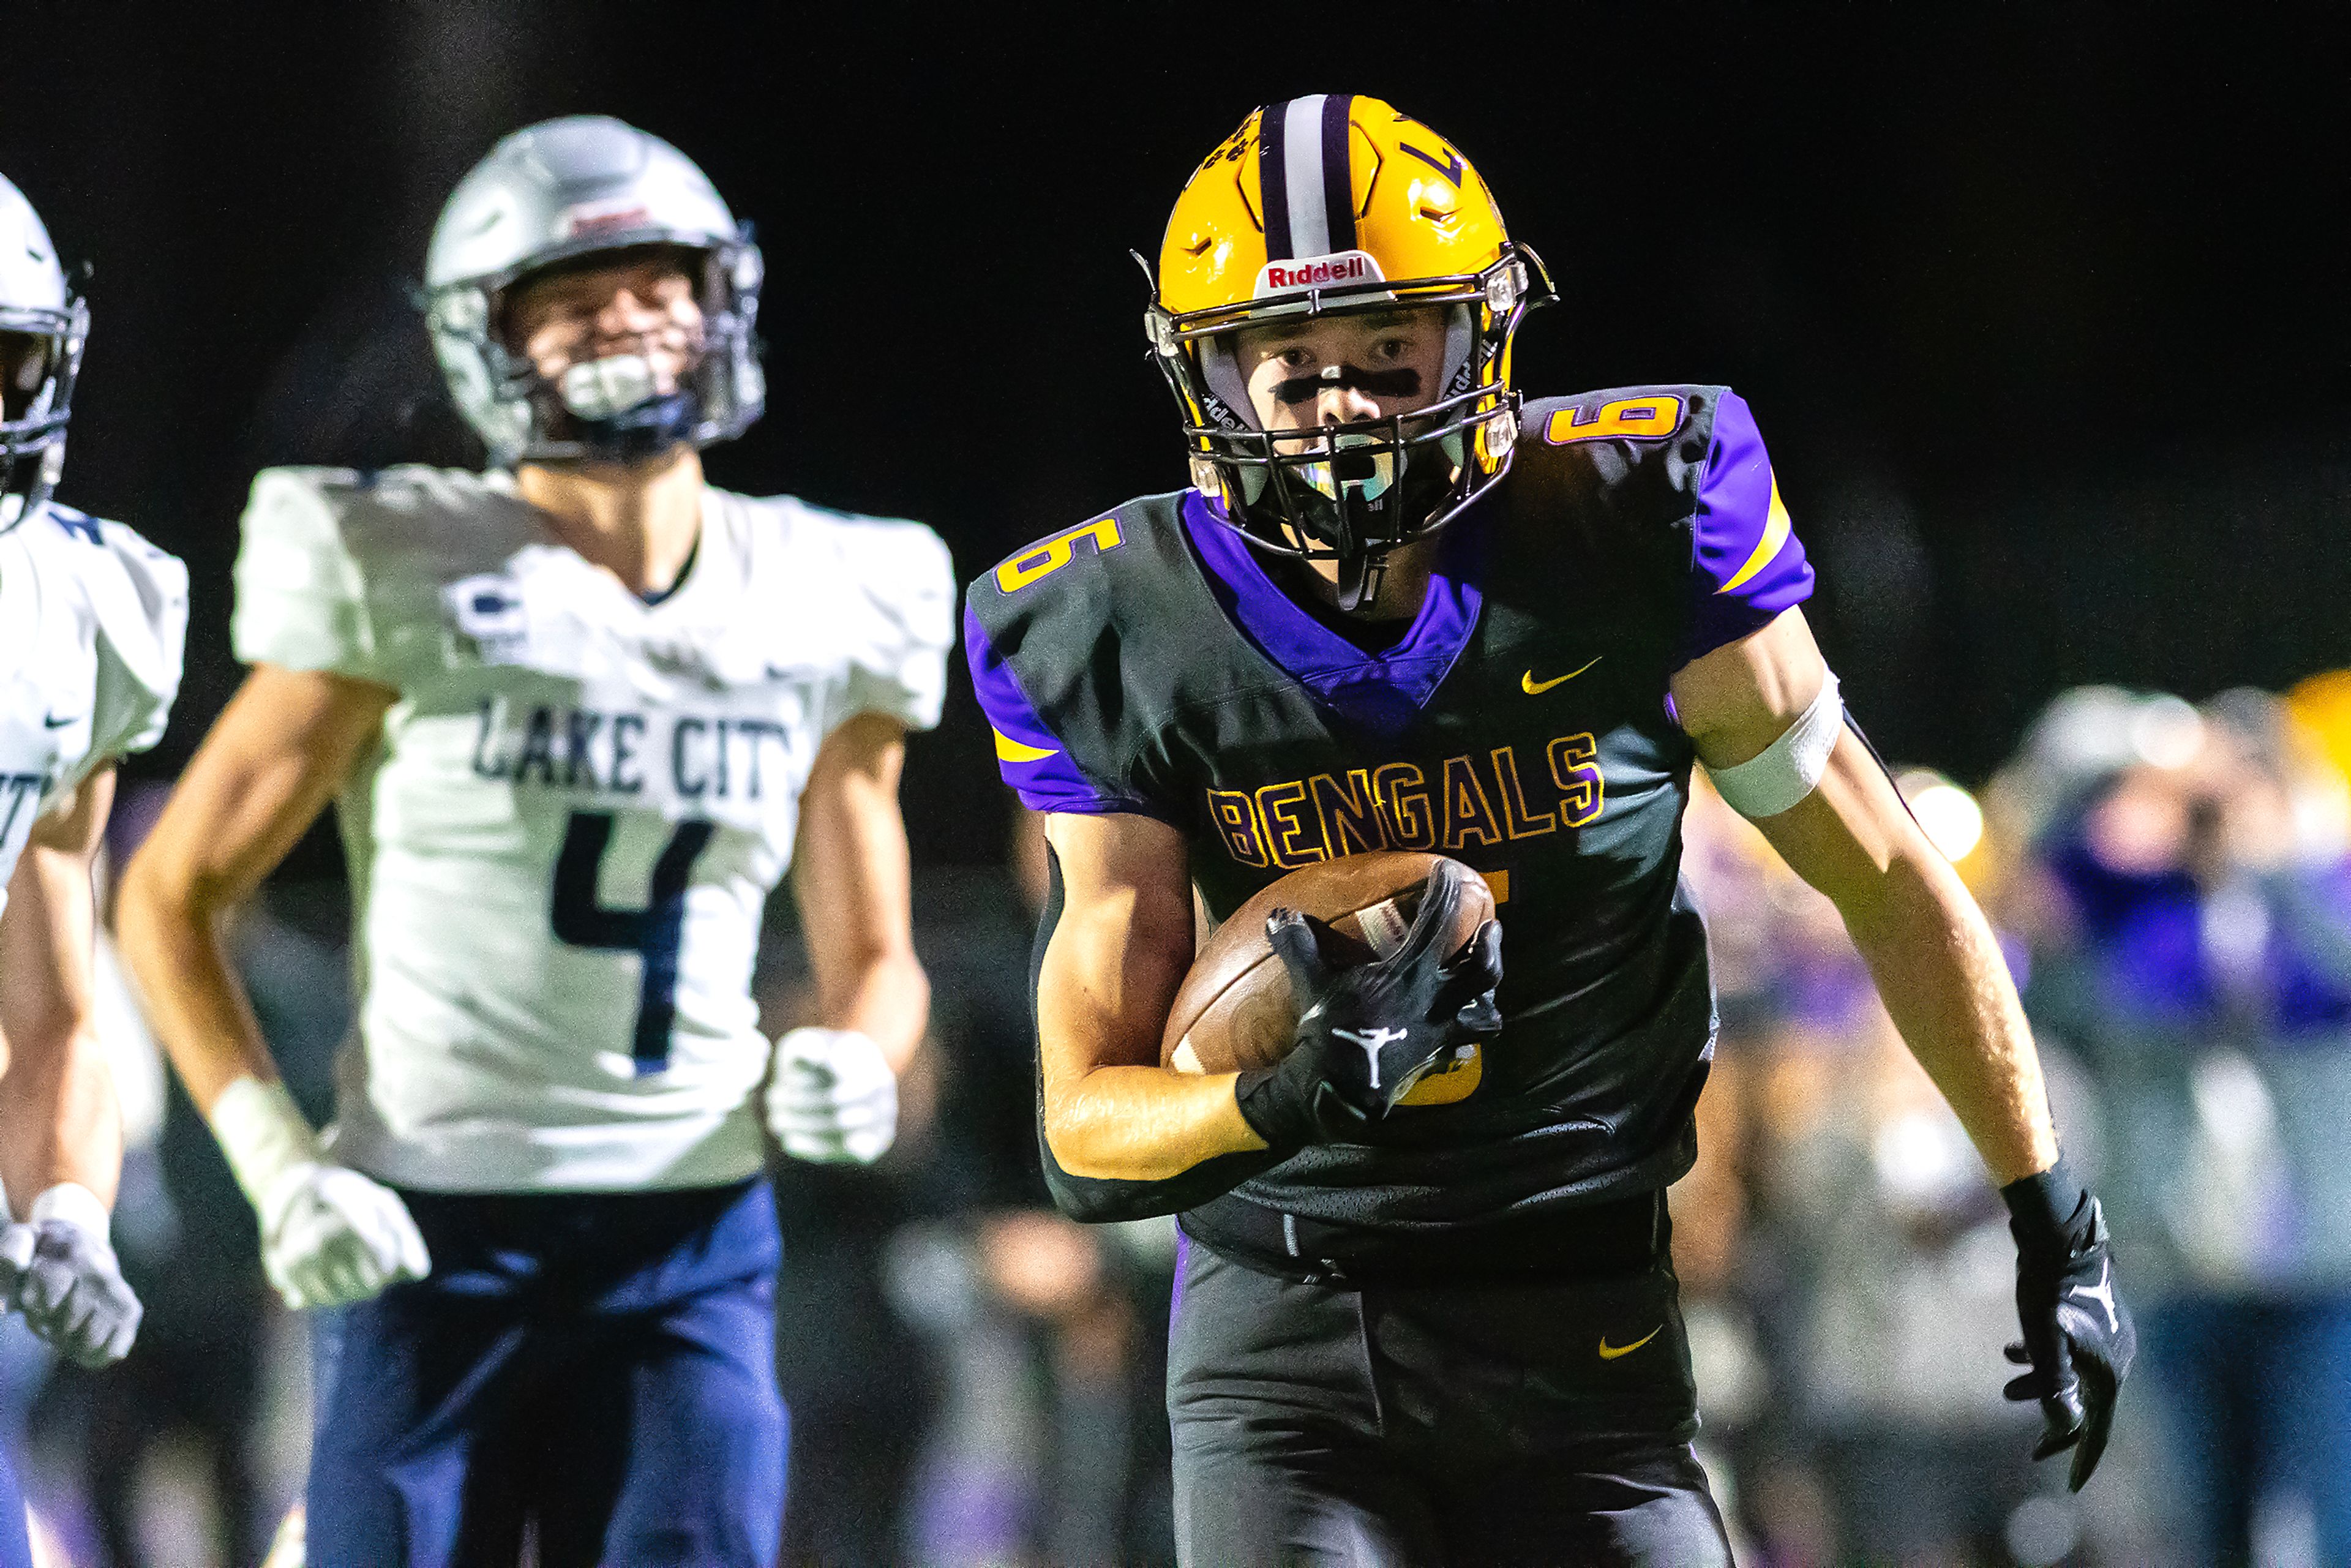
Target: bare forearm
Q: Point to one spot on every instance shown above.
(887, 998)
(851, 875)
(280, 749)
(1121, 940)
(1940, 973)
(1110, 1112)
(1930, 950)
(59, 1119)
(1145, 1123)
(172, 942)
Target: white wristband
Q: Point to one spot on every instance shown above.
(1788, 769)
(263, 1133)
(814, 1039)
(72, 1204)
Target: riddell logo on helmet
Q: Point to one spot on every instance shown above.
(1318, 272)
(604, 217)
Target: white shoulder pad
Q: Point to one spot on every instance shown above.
(342, 571)
(889, 588)
(137, 600)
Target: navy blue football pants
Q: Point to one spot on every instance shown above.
(1433, 1425)
(16, 1543)
(598, 1366)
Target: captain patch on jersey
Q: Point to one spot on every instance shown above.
(91, 621)
(630, 772)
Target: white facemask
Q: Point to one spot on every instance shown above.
(601, 388)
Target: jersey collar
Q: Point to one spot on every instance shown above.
(1385, 690)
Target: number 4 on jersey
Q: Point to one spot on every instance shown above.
(654, 933)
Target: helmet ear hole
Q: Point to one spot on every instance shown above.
(466, 311)
(750, 270)
(1220, 367)
(1460, 344)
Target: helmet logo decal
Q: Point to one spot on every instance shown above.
(603, 217)
(1304, 185)
(1318, 272)
(1452, 167)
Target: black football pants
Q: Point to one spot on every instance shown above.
(1455, 1426)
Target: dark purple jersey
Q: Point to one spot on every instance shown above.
(1147, 662)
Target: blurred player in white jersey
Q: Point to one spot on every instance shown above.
(579, 714)
(91, 621)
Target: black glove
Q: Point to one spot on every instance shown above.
(1370, 1032)
(2078, 1338)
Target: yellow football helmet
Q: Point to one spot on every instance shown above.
(1316, 206)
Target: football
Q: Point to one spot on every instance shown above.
(1234, 1011)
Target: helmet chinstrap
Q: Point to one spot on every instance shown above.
(1290, 527)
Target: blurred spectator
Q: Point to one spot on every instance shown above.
(973, 1379)
(2193, 925)
(1052, 1447)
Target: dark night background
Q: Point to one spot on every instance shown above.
(2040, 310)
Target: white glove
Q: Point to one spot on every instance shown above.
(59, 1270)
(329, 1236)
(832, 1098)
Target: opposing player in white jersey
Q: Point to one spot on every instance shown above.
(91, 621)
(579, 714)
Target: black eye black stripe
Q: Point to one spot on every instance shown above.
(1298, 390)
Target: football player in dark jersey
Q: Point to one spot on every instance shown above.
(1428, 1311)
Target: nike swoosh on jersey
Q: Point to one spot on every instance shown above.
(1535, 688)
(51, 721)
(1611, 1351)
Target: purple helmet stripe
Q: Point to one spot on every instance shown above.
(1338, 188)
(1302, 175)
(1273, 179)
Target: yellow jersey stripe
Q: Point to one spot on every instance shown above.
(1776, 529)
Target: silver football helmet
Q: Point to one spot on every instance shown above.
(43, 322)
(567, 188)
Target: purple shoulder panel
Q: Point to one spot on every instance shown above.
(1747, 564)
(1031, 758)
